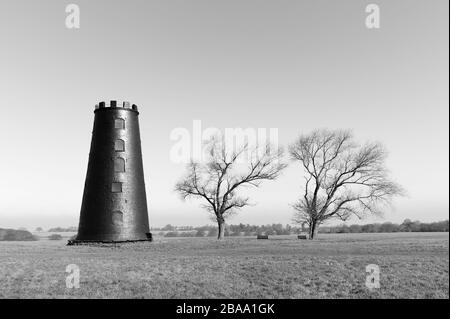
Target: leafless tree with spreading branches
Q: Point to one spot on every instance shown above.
(342, 178)
(218, 179)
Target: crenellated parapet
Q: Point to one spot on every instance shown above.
(115, 104)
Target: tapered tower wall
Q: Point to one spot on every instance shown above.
(114, 205)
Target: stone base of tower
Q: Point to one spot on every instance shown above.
(72, 242)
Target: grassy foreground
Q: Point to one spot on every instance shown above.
(412, 265)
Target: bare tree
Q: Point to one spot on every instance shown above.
(342, 178)
(218, 180)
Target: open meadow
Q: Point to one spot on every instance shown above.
(412, 265)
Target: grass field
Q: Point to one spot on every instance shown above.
(412, 265)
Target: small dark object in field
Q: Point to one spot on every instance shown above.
(262, 237)
(302, 237)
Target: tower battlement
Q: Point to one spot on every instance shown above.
(115, 104)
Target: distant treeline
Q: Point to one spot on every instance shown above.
(251, 230)
(230, 230)
(23, 235)
(16, 235)
(279, 229)
(406, 226)
(62, 230)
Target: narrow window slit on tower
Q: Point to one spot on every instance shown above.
(119, 146)
(119, 124)
(117, 218)
(116, 187)
(119, 165)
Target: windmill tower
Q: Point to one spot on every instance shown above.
(114, 206)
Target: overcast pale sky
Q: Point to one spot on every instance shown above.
(292, 65)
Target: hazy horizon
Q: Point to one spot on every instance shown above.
(291, 65)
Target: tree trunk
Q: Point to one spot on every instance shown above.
(221, 230)
(313, 227)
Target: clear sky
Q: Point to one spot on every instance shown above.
(292, 65)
